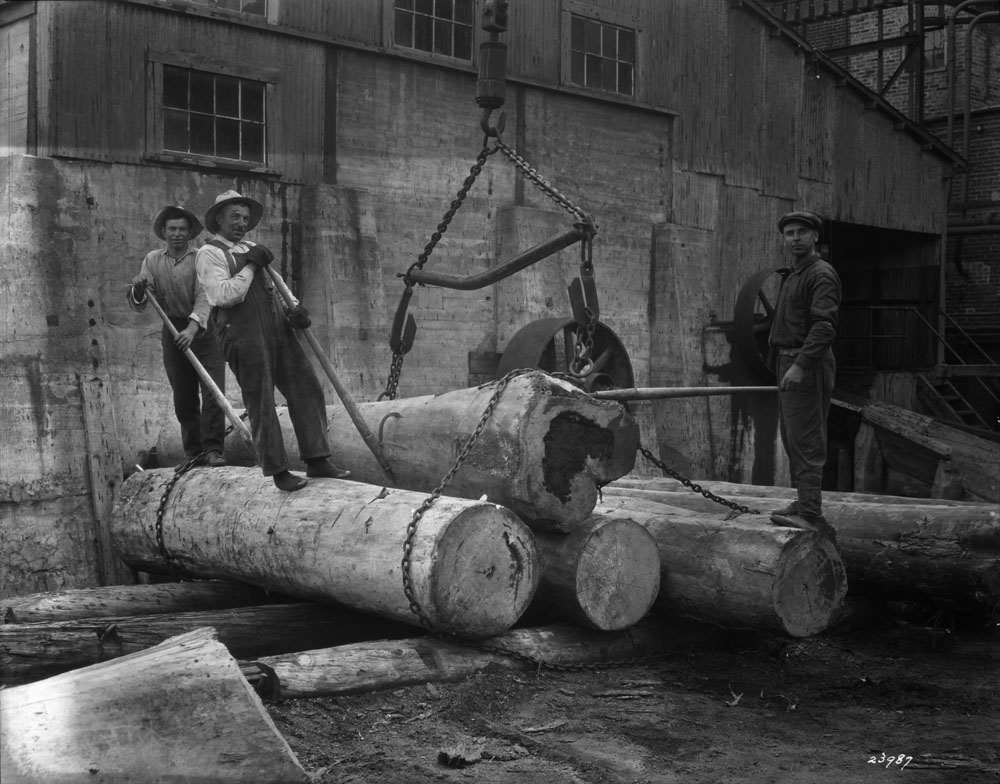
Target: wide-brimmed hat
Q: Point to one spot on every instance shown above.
(810, 219)
(233, 197)
(173, 213)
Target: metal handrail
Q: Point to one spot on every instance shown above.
(941, 339)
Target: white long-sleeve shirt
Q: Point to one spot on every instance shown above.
(222, 289)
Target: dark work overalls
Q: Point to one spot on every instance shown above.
(263, 353)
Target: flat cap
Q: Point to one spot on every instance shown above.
(808, 218)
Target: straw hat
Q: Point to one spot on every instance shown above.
(233, 197)
(174, 213)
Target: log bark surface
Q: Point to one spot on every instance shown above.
(605, 576)
(180, 711)
(739, 574)
(910, 549)
(369, 666)
(31, 651)
(543, 452)
(474, 565)
(121, 600)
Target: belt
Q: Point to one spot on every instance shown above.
(789, 352)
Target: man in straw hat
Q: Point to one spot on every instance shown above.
(169, 273)
(802, 335)
(257, 339)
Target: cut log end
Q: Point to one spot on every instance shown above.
(486, 572)
(618, 575)
(810, 585)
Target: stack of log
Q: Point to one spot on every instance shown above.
(517, 532)
(891, 546)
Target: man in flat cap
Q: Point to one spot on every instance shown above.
(802, 334)
(257, 338)
(169, 273)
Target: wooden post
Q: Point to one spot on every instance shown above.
(474, 565)
(105, 471)
(181, 711)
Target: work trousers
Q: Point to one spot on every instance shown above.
(202, 421)
(803, 415)
(264, 353)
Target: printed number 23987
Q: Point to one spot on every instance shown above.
(899, 759)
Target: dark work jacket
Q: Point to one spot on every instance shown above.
(805, 316)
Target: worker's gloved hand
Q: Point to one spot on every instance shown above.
(298, 317)
(259, 255)
(139, 286)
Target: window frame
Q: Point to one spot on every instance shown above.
(270, 14)
(629, 21)
(944, 50)
(389, 36)
(270, 77)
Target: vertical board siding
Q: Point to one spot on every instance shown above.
(99, 73)
(15, 40)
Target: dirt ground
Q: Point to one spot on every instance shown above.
(915, 700)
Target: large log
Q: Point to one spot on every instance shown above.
(115, 600)
(474, 565)
(181, 711)
(605, 576)
(725, 489)
(911, 549)
(368, 666)
(30, 651)
(543, 452)
(747, 575)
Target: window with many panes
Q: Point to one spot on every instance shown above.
(252, 7)
(441, 27)
(601, 55)
(934, 52)
(212, 114)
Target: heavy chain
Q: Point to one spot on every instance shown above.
(543, 185)
(182, 469)
(392, 382)
(428, 502)
(396, 365)
(737, 508)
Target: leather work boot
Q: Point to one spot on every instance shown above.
(325, 469)
(214, 460)
(815, 523)
(288, 481)
(791, 509)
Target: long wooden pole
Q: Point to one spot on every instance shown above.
(220, 398)
(659, 393)
(345, 396)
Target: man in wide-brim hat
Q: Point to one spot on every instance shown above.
(801, 337)
(170, 274)
(257, 338)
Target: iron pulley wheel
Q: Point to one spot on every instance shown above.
(752, 318)
(551, 345)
